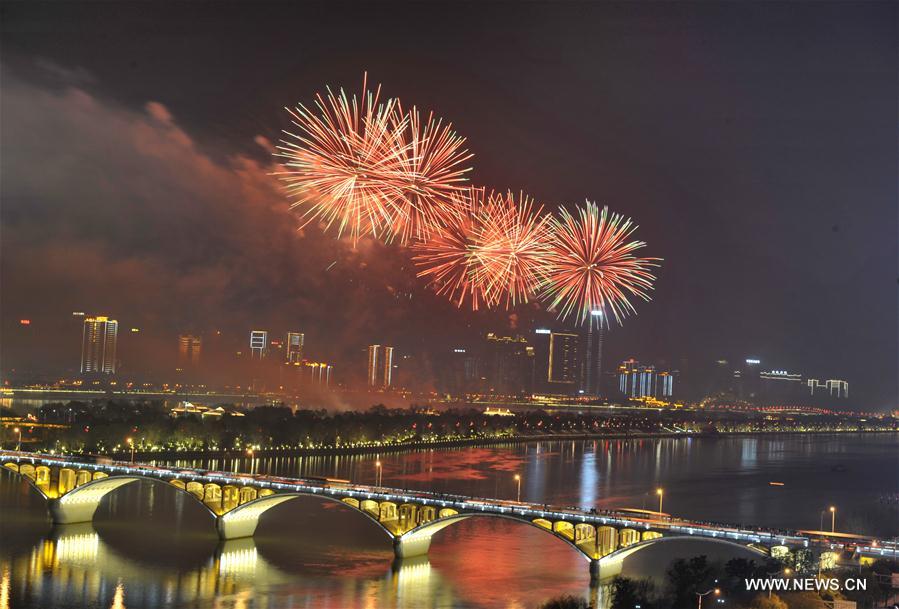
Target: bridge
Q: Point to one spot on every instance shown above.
(74, 488)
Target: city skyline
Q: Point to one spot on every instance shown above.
(739, 197)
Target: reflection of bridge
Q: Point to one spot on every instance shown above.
(74, 490)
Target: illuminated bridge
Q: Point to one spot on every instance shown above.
(74, 488)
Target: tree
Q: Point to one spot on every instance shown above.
(566, 602)
(688, 578)
(628, 593)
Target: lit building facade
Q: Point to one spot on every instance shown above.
(380, 366)
(557, 362)
(294, 345)
(99, 338)
(189, 348)
(636, 381)
(592, 377)
(508, 365)
(258, 344)
(832, 388)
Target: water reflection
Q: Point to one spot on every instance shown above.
(151, 546)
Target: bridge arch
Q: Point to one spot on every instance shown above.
(243, 519)
(610, 565)
(81, 503)
(417, 541)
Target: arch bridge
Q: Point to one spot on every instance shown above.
(73, 489)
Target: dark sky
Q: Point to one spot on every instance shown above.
(754, 143)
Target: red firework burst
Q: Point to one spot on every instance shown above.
(338, 165)
(450, 259)
(591, 265)
(513, 244)
(429, 172)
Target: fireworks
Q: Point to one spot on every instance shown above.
(428, 175)
(366, 167)
(591, 265)
(339, 165)
(450, 259)
(513, 243)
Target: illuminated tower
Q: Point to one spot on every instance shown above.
(258, 343)
(189, 347)
(380, 366)
(593, 361)
(294, 344)
(98, 345)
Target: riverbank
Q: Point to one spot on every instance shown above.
(169, 455)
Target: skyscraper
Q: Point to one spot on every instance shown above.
(557, 364)
(380, 366)
(294, 346)
(258, 344)
(592, 384)
(189, 347)
(98, 345)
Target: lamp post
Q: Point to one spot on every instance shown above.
(518, 480)
(717, 591)
(18, 430)
(131, 442)
(661, 493)
(833, 519)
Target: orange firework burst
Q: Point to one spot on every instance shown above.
(428, 174)
(450, 257)
(338, 165)
(591, 265)
(489, 252)
(513, 243)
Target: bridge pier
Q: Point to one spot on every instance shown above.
(411, 546)
(81, 504)
(602, 571)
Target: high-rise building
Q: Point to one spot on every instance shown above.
(509, 365)
(592, 383)
(832, 388)
(189, 347)
(778, 385)
(258, 344)
(557, 362)
(294, 346)
(636, 381)
(98, 345)
(380, 366)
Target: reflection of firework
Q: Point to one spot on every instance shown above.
(591, 265)
(450, 259)
(427, 175)
(338, 165)
(513, 244)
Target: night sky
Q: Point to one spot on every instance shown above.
(754, 143)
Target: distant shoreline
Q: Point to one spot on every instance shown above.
(168, 455)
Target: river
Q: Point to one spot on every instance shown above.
(151, 546)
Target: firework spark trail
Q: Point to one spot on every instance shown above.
(336, 165)
(428, 174)
(513, 239)
(591, 265)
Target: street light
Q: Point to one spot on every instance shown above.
(18, 430)
(131, 442)
(716, 591)
(833, 519)
(661, 493)
(786, 571)
(518, 480)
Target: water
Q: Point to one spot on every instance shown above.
(151, 546)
